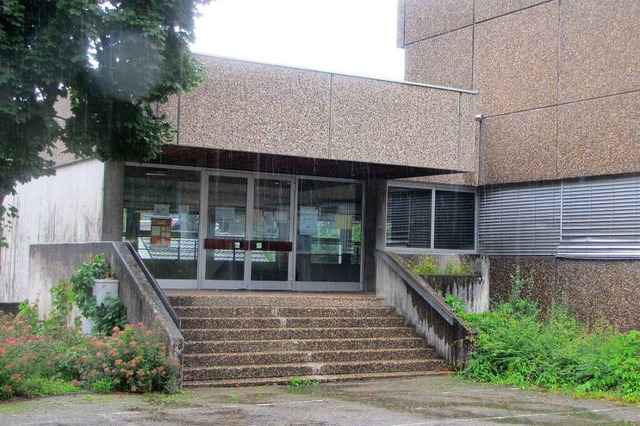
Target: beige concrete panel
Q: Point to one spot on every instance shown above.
(487, 9)
(600, 136)
(58, 154)
(602, 290)
(541, 268)
(427, 18)
(400, 24)
(257, 108)
(520, 147)
(599, 48)
(468, 148)
(390, 123)
(444, 60)
(463, 179)
(516, 60)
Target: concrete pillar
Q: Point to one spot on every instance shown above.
(375, 212)
(112, 201)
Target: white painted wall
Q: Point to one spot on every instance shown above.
(67, 207)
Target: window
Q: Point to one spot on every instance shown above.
(520, 220)
(329, 231)
(601, 218)
(409, 218)
(428, 218)
(585, 218)
(161, 219)
(455, 220)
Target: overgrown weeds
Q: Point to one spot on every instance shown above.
(515, 346)
(426, 265)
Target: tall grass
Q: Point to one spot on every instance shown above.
(516, 346)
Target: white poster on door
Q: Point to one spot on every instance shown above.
(308, 224)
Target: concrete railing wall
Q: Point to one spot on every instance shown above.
(423, 308)
(50, 263)
(473, 290)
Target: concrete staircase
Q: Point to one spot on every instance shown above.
(254, 338)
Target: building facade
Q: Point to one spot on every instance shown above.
(558, 180)
(517, 138)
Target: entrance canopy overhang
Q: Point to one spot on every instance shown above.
(284, 164)
(260, 117)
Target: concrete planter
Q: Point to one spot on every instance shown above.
(468, 288)
(102, 289)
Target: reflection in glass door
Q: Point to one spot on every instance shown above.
(247, 242)
(226, 232)
(329, 236)
(271, 234)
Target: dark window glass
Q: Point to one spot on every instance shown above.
(454, 220)
(329, 232)
(409, 218)
(161, 219)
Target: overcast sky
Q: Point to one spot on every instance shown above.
(344, 36)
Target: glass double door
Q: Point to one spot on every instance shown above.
(247, 232)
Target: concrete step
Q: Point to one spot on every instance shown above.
(265, 381)
(310, 369)
(296, 333)
(288, 312)
(301, 357)
(229, 346)
(283, 322)
(273, 299)
(250, 338)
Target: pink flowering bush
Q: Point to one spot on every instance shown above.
(131, 360)
(44, 357)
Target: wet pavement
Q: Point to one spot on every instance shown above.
(398, 402)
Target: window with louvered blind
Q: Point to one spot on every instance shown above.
(601, 218)
(409, 217)
(521, 220)
(454, 220)
(595, 218)
(430, 219)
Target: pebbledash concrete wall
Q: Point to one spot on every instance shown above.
(71, 206)
(251, 107)
(558, 81)
(593, 289)
(559, 86)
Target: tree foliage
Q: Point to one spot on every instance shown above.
(113, 61)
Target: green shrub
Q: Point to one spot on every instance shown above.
(102, 386)
(106, 316)
(514, 346)
(132, 359)
(297, 382)
(44, 357)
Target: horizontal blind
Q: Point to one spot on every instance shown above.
(455, 217)
(409, 218)
(520, 220)
(420, 221)
(601, 218)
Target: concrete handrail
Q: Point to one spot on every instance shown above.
(154, 284)
(425, 309)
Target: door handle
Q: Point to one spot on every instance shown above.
(225, 244)
(267, 245)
